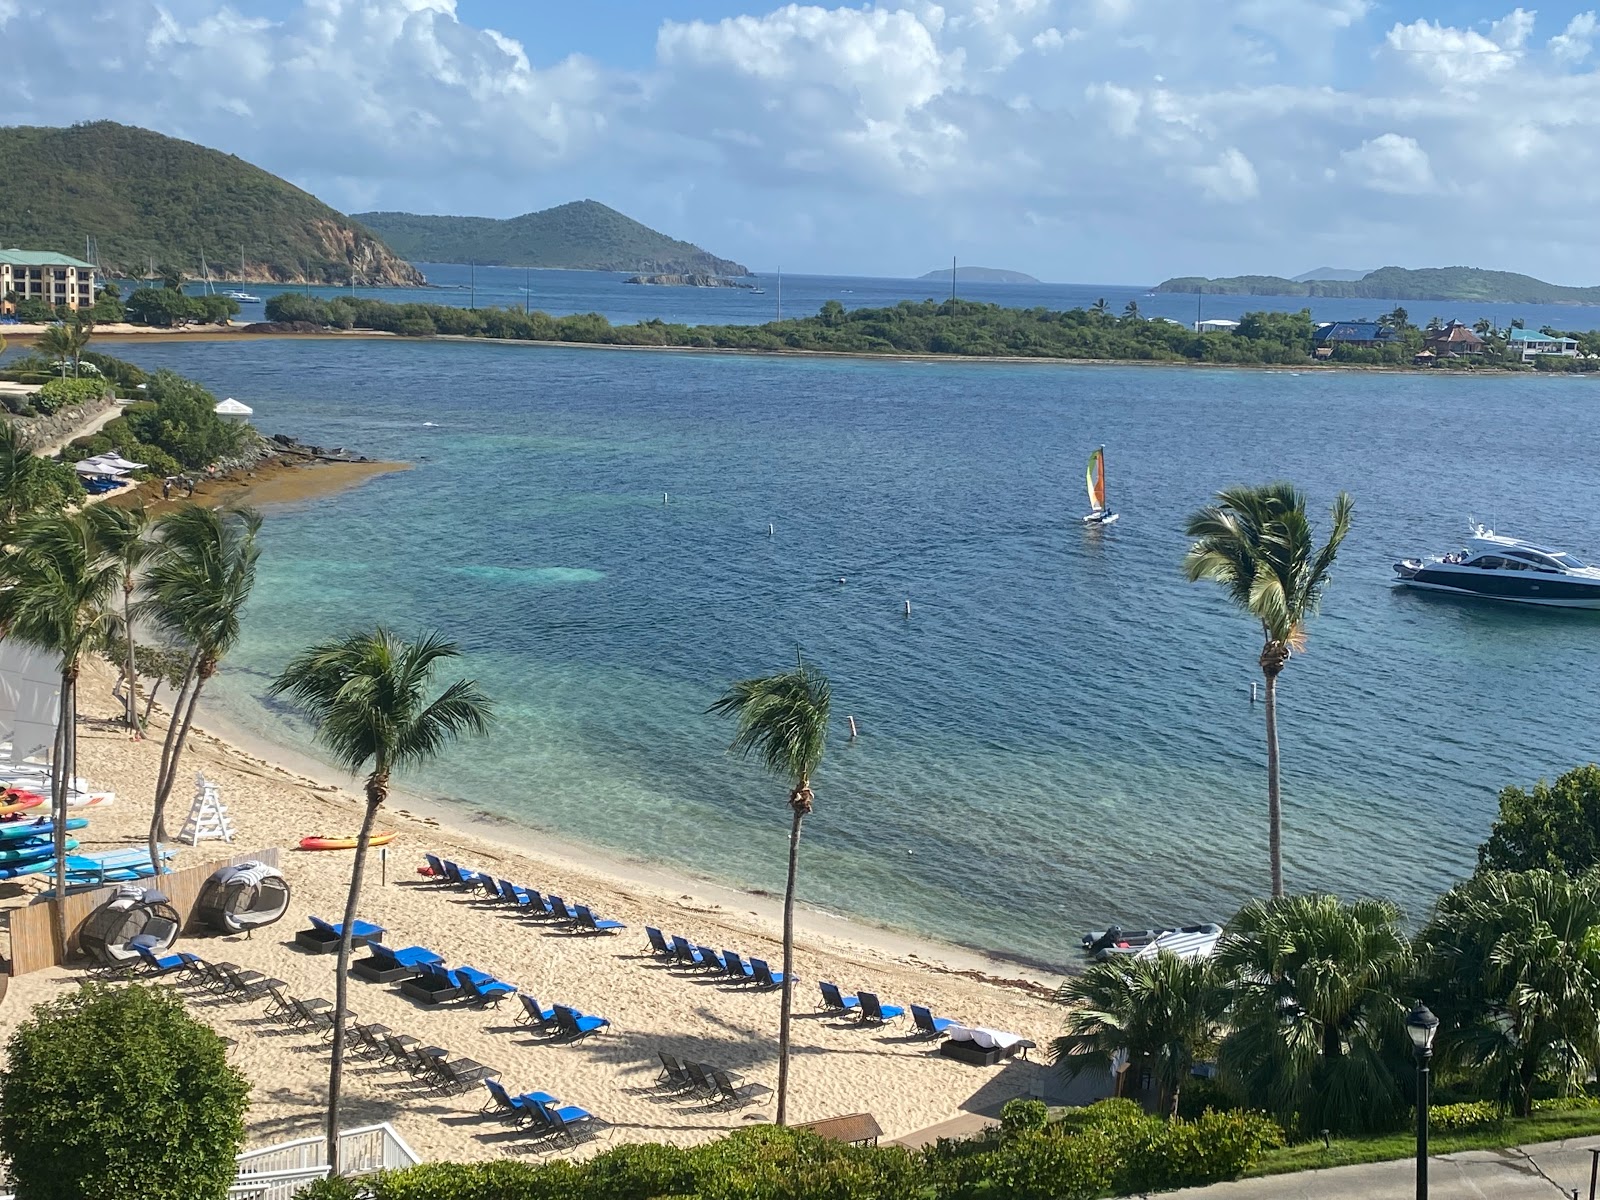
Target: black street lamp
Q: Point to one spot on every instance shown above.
(1421, 1025)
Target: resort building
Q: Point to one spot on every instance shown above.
(42, 275)
(1216, 325)
(1530, 343)
(1350, 333)
(1455, 340)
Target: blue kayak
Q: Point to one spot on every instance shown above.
(10, 831)
(25, 852)
(12, 870)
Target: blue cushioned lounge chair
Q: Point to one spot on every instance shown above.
(927, 1024)
(876, 1013)
(833, 1000)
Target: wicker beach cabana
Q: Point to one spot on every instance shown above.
(244, 896)
(134, 912)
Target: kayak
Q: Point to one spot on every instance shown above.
(29, 851)
(44, 827)
(342, 843)
(12, 870)
(17, 801)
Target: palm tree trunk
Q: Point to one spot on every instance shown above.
(158, 812)
(127, 634)
(150, 702)
(786, 1005)
(1274, 796)
(60, 780)
(377, 788)
(172, 723)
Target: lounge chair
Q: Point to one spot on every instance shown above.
(573, 1025)
(461, 876)
(518, 1108)
(367, 1040)
(323, 938)
(165, 964)
(303, 1013)
(432, 984)
(436, 871)
(511, 893)
(397, 1048)
(383, 965)
(250, 985)
(487, 994)
(488, 888)
(658, 943)
(730, 1095)
(538, 907)
(736, 968)
(833, 1000)
(712, 960)
(534, 1014)
(452, 1077)
(876, 1013)
(699, 1079)
(764, 976)
(570, 1122)
(560, 911)
(674, 1076)
(927, 1024)
(688, 956)
(588, 921)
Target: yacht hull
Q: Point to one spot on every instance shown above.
(1546, 593)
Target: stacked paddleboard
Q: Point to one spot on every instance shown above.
(26, 847)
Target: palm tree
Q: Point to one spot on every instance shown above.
(1513, 964)
(783, 720)
(123, 533)
(56, 585)
(24, 477)
(58, 341)
(200, 575)
(367, 695)
(1165, 1009)
(1258, 544)
(1315, 1009)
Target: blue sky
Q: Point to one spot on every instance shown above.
(1082, 140)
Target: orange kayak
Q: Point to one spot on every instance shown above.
(342, 843)
(18, 801)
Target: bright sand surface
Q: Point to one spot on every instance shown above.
(838, 1066)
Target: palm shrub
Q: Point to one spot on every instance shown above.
(198, 579)
(28, 483)
(1512, 961)
(1164, 1009)
(1315, 1010)
(368, 696)
(783, 720)
(119, 1092)
(123, 534)
(1257, 542)
(56, 585)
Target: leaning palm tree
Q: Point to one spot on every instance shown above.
(25, 483)
(367, 695)
(56, 586)
(783, 719)
(60, 342)
(1257, 542)
(123, 533)
(1165, 1008)
(198, 579)
(1316, 1009)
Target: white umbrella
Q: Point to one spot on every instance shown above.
(232, 408)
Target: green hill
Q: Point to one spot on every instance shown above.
(584, 235)
(979, 275)
(1398, 283)
(143, 196)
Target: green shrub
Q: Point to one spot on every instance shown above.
(1453, 1118)
(1562, 1103)
(33, 311)
(65, 393)
(339, 1187)
(1044, 1165)
(1174, 1154)
(1200, 1093)
(119, 1092)
(1023, 1116)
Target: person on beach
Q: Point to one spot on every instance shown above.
(166, 488)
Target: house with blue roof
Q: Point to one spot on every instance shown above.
(1529, 343)
(1351, 333)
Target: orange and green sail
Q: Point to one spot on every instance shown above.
(1096, 480)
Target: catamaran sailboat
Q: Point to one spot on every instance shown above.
(1096, 479)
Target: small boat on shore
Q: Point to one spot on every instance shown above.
(343, 842)
(1496, 567)
(1188, 941)
(1103, 943)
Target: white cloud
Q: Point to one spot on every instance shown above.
(1051, 38)
(1231, 179)
(1391, 163)
(1512, 30)
(1448, 55)
(1574, 43)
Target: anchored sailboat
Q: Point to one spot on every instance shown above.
(1096, 480)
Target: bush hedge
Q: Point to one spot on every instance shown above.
(65, 393)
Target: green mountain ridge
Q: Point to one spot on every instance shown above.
(1399, 283)
(583, 235)
(147, 197)
(978, 275)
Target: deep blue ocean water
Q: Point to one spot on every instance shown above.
(1060, 734)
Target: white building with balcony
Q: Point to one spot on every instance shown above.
(42, 275)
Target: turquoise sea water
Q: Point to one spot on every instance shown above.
(1059, 735)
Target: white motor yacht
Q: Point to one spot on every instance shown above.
(1496, 567)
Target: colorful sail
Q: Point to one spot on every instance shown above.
(1096, 479)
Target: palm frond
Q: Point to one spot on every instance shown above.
(782, 720)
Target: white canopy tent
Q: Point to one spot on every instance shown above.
(111, 464)
(231, 410)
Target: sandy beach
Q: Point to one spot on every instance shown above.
(839, 1066)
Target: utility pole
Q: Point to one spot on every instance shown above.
(952, 285)
(780, 293)
(527, 291)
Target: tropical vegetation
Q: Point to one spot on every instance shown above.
(368, 696)
(782, 720)
(123, 534)
(1398, 283)
(117, 1091)
(168, 306)
(1258, 544)
(1551, 826)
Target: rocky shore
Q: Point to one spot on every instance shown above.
(711, 281)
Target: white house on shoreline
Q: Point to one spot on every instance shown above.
(56, 279)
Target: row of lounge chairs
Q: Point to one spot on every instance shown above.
(873, 1011)
(679, 951)
(546, 1115)
(323, 936)
(580, 918)
(717, 1088)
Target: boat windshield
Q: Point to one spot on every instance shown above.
(1572, 564)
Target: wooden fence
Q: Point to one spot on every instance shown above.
(33, 945)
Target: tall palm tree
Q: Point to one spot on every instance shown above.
(56, 585)
(1316, 1009)
(198, 579)
(60, 342)
(1166, 1009)
(367, 694)
(1512, 961)
(123, 534)
(783, 720)
(1257, 542)
(24, 477)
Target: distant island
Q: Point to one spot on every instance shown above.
(1342, 274)
(978, 275)
(1398, 283)
(584, 235)
(151, 200)
(711, 281)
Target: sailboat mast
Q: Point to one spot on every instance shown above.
(952, 285)
(780, 293)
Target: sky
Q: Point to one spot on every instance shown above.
(1109, 141)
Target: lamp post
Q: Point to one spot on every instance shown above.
(1421, 1025)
